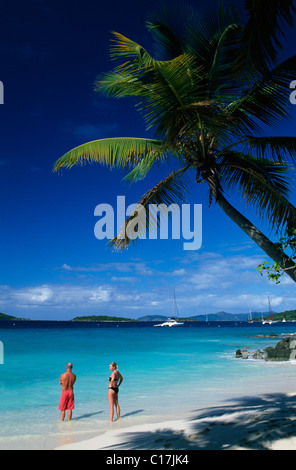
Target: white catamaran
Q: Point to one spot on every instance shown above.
(172, 320)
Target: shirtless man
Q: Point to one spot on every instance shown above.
(67, 382)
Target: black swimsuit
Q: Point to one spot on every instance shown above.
(115, 389)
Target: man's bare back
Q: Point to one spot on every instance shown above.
(67, 381)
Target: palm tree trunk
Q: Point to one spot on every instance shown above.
(258, 237)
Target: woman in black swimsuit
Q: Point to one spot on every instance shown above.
(115, 380)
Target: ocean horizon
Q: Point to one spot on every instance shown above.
(167, 372)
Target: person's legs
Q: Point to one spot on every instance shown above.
(62, 406)
(117, 405)
(111, 395)
(70, 406)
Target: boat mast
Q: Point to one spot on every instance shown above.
(175, 305)
(270, 309)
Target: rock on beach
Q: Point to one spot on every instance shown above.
(285, 350)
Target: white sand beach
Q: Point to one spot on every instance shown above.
(262, 422)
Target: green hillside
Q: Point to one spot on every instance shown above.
(4, 317)
(288, 315)
(102, 318)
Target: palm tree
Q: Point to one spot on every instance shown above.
(208, 90)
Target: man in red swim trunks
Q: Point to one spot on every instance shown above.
(67, 382)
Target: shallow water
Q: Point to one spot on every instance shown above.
(167, 372)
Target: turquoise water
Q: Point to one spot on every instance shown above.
(167, 371)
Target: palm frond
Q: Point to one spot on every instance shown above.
(279, 148)
(119, 85)
(170, 26)
(261, 38)
(219, 76)
(157, 155)
(261, 105)
(267, 100)
(169, 92)
(136, 55)
(218, 30)
(211, 39)
(175, 99)
(121, 152)
(264, 185)
(171, 190)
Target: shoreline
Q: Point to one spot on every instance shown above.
(262, 422)
(266, 422)
(259, 416)
(263, 419)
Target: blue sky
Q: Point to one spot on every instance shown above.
(51, 265)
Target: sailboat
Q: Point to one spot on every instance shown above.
(250, 319)
(172, 320)
(270, 320)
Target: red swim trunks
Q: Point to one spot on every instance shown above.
(67, 400)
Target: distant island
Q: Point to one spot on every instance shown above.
(288, 315)
(4, 317)
(103, 318)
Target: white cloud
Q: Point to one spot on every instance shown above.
(224, 272)
(213, 283)
(123, 279)
(55, 295)
(101, 294)
(73, 296)
(206, 284)
(33, 296)
(137, 266)
(66, 267)
(179, 272)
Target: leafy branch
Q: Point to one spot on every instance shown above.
(276, 270)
